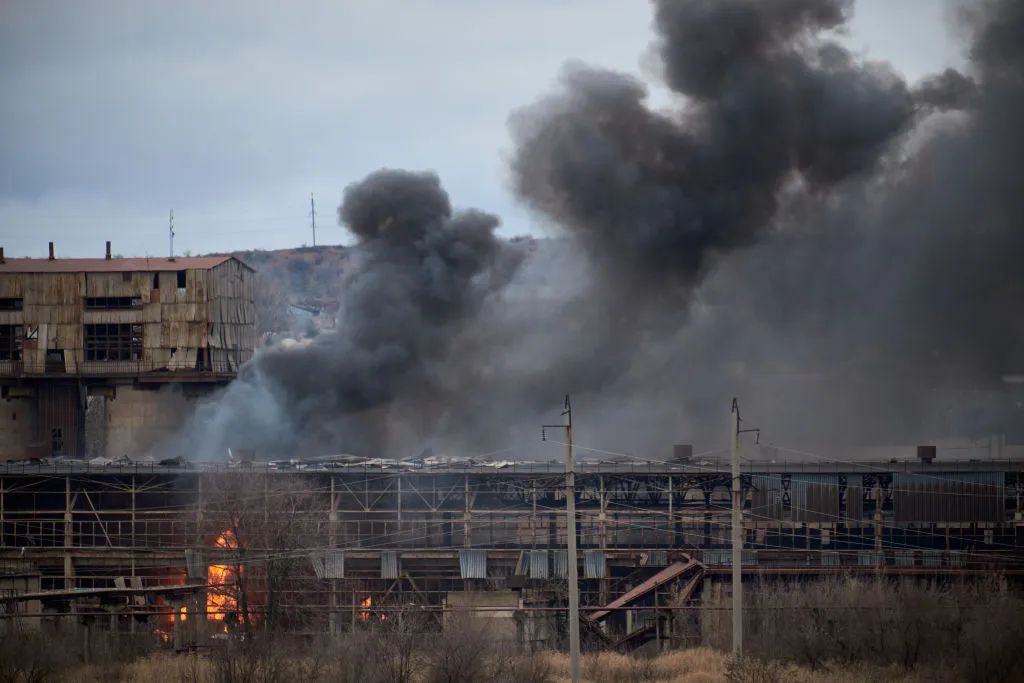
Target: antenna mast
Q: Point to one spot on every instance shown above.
(312, 216)
(170, 230)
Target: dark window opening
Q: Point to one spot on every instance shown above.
(57, 440)
(181, 279)
(55, 360)
(11, 340)
(156, 280)
(9, 304)
(113, 342)
(105, 303)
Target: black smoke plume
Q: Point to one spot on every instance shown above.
(798, 227)
(843, 245)
(423, 270)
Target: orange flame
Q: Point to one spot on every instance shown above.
(221, 596)
(366, 604)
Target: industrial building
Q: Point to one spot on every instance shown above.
(100, 357)
(333, 545)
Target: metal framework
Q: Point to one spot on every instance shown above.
(325, 549)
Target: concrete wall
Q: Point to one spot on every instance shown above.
(500, 623)
(138, 420)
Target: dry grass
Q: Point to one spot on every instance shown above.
(696, 665)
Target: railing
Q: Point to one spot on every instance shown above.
(18, 368)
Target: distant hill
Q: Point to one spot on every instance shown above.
(296, 287)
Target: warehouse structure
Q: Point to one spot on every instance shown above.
(335, 545)
(102, 357)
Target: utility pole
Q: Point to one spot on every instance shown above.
(737, 527)
(170, 230)
(737, 532)
(570, 530)
(312, 216)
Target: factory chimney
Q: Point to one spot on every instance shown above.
(51, 251)
(108, 250)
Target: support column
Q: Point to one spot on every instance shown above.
(604, 587)
(332, 531)
(131, 600)
(878, 513)
(467, 535)
(2, 512)
(534, 530)
(69, 565)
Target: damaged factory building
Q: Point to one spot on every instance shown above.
(103, 357)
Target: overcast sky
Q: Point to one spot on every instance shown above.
(111, 113)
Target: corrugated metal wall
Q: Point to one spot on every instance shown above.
(539, 564)
(473, 564)
(593, 564)
(854, 497)
(814, 497)
(949, 497)
(766, 498)
(389, 564)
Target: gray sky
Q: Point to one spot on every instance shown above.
(233, 112)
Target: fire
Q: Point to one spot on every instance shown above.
(366, 604)
(221, 596)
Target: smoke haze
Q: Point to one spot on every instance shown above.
(802, 228)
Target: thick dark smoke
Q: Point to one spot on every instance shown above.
(799, 227)
(769, 103)
(423, 271)
(804, 230)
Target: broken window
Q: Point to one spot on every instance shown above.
(11, 340)
(106, 303)
(105, 342)
(10, 304)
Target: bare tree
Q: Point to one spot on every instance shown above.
(266, 525)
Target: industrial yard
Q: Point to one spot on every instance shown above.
(528, 342)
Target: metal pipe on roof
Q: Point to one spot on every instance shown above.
(51, 251)
(108, 250)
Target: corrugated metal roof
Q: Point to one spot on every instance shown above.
(115, 265)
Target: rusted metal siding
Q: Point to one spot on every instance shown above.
(209, 324)
(232, 314)
(59, 418)
(949, 497)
